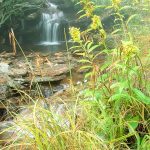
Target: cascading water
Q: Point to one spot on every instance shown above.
(51, 25)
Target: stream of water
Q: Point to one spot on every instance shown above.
(52, 26)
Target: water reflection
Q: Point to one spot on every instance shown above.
(46, 47)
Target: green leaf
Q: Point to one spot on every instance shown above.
(85, 67)
(133, 121)
(104, 66)
(88, 75)
(80, 11)
(89, 44)
(130, 18)
(145, 143)
(78, 3)
(120, 86)
(100, 6)
(117, 19)
(109, 7)
(103, 78)
(93, 48)
(81, 54)
(140, 96)
(116, 31)
(98, 95)
(85, 61)
(77, 51)
(82, 16)
(119, 96)
(125, 7)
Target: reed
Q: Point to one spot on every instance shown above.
(112, 111)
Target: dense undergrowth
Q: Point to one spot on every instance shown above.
(112, 112)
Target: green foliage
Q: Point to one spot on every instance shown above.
(118, 87)
(112, 112)
(10, 8)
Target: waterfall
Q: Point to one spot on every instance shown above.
(50, 25)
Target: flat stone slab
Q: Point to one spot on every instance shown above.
(52, 71)
(20, 72)
(16, 73)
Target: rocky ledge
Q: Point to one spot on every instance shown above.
(21, 73)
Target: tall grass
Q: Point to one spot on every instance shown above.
(113, 110)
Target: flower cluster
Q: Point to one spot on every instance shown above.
(75, 34)
(116, 3)
(88, 7)
(102, 34)
(96, 23)
(129, 49)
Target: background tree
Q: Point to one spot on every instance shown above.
(14, 8)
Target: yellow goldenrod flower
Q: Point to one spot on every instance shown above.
(88, 7)
(103, 34)
(116, 3)
(75, 34)
(96, 23)
(129, 49)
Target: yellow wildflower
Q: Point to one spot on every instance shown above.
(129, 49)
(75, 34)
(116, 3)
(88, 7)
(96, 23)
(103, 34)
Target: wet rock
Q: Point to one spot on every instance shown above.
(9, 130)
(59, 54)
(32, 16)
(53, 71)
(4, 67)
(59, 61)
(60, 87)
(21, 72)
(7, 55)
(45, 79)
(23, 83)
(3, 79)
(47, 92)
(16, 83)
(4, 126)
(16, 73)
(4, 90)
